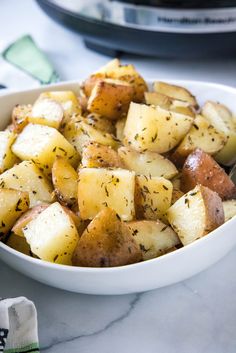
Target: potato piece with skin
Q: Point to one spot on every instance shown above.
(154, 129)
(99, 188)
(110, 98)
(20, 116)
(176, 92)
(154, 238)
(47, 112)
(152, 197)
(98, 156)
(182, 108)
(106, 242)
(12, 204)
(115, 70)
(147, 163)
(7, 158)
(43, 144)
(120, 126)
(27, 217)
(229, 209)
(221, 118)
(99, 122)
(200, 168)
(52, 236)
(79, 134)
(27, 177)
(176, 194)
(65, 181)
(196, 214)
(201, 135)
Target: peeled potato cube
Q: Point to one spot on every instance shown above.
(200, 168)
(12, 204)
(7, 158)
(67, 99)
(43, 144)
(99, 156)
(221, 118)
(27, 217)
(196, 214)
(52, 236)
(152, 197)
(175, 92)
(147, 163)
(229, 209)
(79, 134)
(153, 238)
(65, 181)
(27, 177)
(106, 242)
(154, 129)
(20, 116)
(47, 112)
(201, 135)
(110, 98)
(101, 188)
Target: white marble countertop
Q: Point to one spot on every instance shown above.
(196, 316)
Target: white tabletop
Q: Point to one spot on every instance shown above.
(195, 316)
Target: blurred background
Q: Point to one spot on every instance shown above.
(164, 39)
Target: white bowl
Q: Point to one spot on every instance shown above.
(155, 273)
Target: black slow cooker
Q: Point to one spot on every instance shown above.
(164, 28)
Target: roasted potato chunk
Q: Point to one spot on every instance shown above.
(65, 182)
(229, 209)
(201, 135)
(165, 102)
(27, 177)
(221, 118)
(115, 70)
(20, 115)
(99, 122)
(52, 236)
(176, 194)
(175, 92)
(154, 129)
(110, 98)
(47, 112)
(120, 126)
(12, 204)
(195, 214)
(106, 242)
(67, 99)
(7, 158)
(43, 144)
(99, 156)
(152, 197)
(147, 163)
(19, 243)
(101, 188)
(200, 168)
(27, 217)
(154, 238)
(79, 134)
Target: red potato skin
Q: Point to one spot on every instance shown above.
(201, 168)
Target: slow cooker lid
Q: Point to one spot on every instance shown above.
(183, 4)
(156, 18)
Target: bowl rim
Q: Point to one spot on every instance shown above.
(160, 259)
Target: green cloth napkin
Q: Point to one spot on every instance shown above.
(25, 54)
